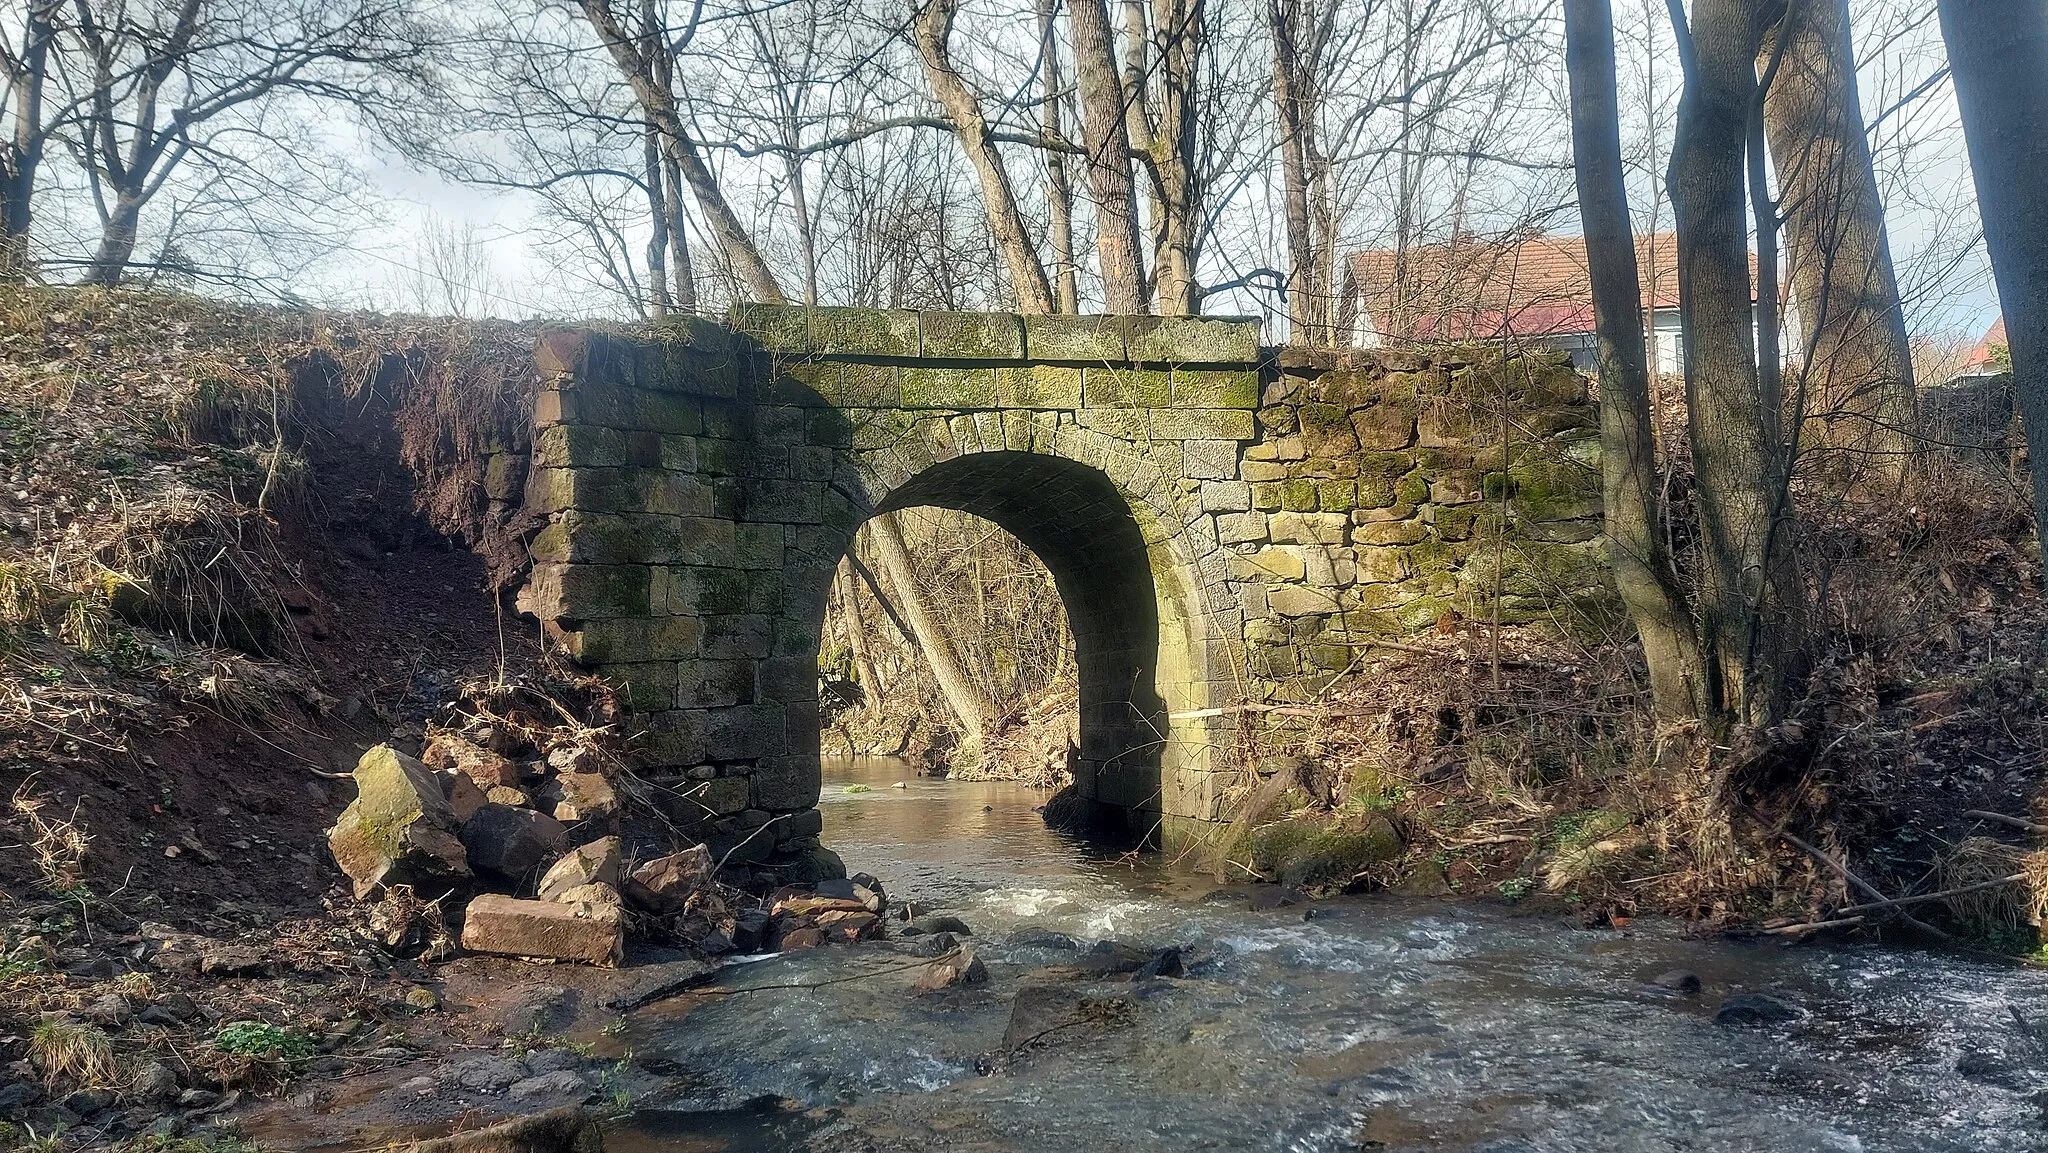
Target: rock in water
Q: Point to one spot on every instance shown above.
(596, 863)
(1678, 981)
(960, 967)
(1754, 1009)
(940, 923)
(511, 844)
(585, 931)
(664, 884)
(399, 830)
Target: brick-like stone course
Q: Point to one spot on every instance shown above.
(701, 481)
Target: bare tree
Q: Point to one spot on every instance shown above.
(933, 30)
(1859, 368)
(1748, 601)
(1119, 257)
(25, 72)
(157, 87)
(1998, 53)
(1628, 453)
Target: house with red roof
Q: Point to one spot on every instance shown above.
(1990, 357)
(1536, 291)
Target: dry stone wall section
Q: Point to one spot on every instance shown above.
(1225, 525)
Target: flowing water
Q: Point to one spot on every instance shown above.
(1374, 1024)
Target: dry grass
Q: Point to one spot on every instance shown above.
(58, 846)
(67, 1051)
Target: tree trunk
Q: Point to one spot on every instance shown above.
(933, 30)
(117, 240)
(1747, 603)
(1059, 190)
(24, 154)
(659, 105)
(1998, 56)
(969, 704)
(1628, 453)
(1859, 368)
(1172, 144)
(857, 635)
(657, 213)
(1292, 99)
(682, 272)
(1109, 159)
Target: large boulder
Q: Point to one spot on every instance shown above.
(512, 844)
(589, 931)
(596, 863)
(399, 830)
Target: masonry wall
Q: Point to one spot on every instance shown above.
(1224, 524)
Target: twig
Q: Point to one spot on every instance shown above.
(1896, 902)
(2001, 818)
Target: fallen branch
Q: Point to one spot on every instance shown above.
(2016, 822)
(1861, 885)
(1800, 930)
(1897, 902)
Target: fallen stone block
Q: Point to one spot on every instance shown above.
(596, 863)
(511, 844)
(399, 830)
(479, 764)
(585, 797)
(664, 884)
(584, 931)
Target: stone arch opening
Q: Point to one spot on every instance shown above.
(1123, 606)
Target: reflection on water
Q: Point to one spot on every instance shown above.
(1378, 1024)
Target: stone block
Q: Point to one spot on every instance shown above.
(1089, 339)
(606, 538)
(586, 931)
(760, 546)
(1215, 388)
(712, 684)
(782, 502)
(597, 863)
(1260, 470)
(864, 331)
(788, 679)
(973, 336)
(1210, 459)
(1390, 532)
(1202, 424)
(1039, 386)
(399, 830)
(624, 639)
(511, 844)
(1193, 340)
(674, 737)
(1309, 527)
(1298, 495)
(578, 445)
(1301, 600)
(1241, 527)
(582, 592)
(777, 328)
(1122, 387)
(786, 783)
(648, 686)
(1226, 496)
(744, 635)
(1286, 564)
(927, 387)
(1388, 426)
(1122, 423)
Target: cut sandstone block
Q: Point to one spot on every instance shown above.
(586, 931)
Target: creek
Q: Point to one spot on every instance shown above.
(1376, 1023)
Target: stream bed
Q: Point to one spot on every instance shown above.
(1374, 1023)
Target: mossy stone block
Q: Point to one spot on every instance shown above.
(1324, 853)
(1412, 488)
(927, 387)
(1039, 386)
(1193, 340)
(1298, 495)
(778, 328)
(1216, 388)
(578, 445)
(864, 331)
(973, 335)
(1093, 339)
(1543, 489)
(1201, 424)
(1114, 387)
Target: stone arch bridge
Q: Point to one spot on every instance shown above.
(1225, 524)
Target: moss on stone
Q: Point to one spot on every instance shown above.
(1412, 488)
(1547, 489)
(1324, 852)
